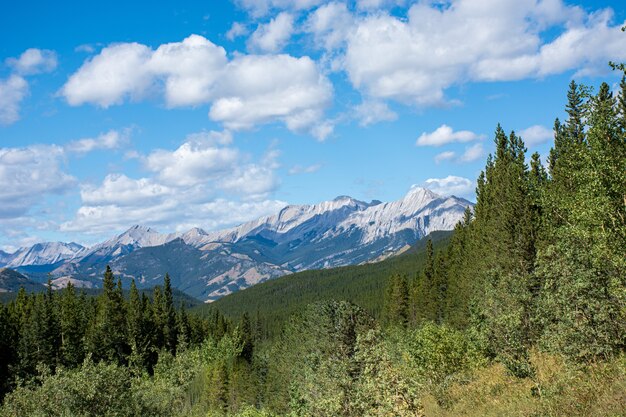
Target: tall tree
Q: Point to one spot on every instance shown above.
(397, 300)
(72, 328)
(170, 330)
(106, 339)
(582, 259)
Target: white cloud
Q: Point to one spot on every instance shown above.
(110, 140)
(250, 93)
(15, 88)
(330, 25)
(116, 73)
(439, 46)
(536, 134)
(258, 8)
(450, 185)
(119, 190)
(444, 135)
(243, 92)
(12, 92)
(236, 30)
(299, 169)
(28, 174)
(370, 112)
(204, 182)
(472, 153)
(444, 156)
(34, 61)
(322, 130)
(192, 163)
(272, 36)
(190, 69)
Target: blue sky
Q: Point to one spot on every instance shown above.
(213, 113)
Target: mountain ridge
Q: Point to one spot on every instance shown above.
(339, 232)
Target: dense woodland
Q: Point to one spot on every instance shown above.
(522, 311)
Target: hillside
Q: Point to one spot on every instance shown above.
(363, 285)
(11, 281)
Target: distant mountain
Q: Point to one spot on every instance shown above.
(11, 281)
(209, 265)
(4, 258)
(43, 254)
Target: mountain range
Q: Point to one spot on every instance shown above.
(209, 265)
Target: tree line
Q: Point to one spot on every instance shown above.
(62, 328)
(541, 261)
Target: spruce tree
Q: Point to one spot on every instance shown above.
(72, 328)
(397, 301)
(582, 260)
(170, 331)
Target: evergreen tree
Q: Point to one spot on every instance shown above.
(425, 298)
(72, 328)
(246, 338)
(582, 259)
(169, 316)
(397, 301)
(107, 339)
(503, 254)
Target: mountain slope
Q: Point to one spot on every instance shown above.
(46, 253)
(209, 265)
(11, 281)
(364, 285)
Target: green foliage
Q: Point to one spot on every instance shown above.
(365, 285)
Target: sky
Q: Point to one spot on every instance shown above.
(211, 113)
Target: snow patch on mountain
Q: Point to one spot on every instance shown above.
(44, 254)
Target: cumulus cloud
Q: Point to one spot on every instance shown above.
(110, 140)
(186, 185)
(250, 93)
(370, 112)
(437, 46)
(187, 70)
(120, 190)
(472, 153)
(536, 134)
(236, 30)
(450, 185)
(242, 93)
(116, 73)
(190, 69)
(272, 36)
(444, 135)
(330, 25)
(444, 156)
(12, 91)
(34, 61)
(29, 173)
(192, 163)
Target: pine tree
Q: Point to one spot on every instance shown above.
(72, 328)
(502, 254)
(169, 326)
(158, 318)
(106, 339)
(184, 329)
(397, 301)
(582, 259)
(427, 297)
(246, 337)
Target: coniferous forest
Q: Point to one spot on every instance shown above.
(522, 311)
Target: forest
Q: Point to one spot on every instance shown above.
(520, 311)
